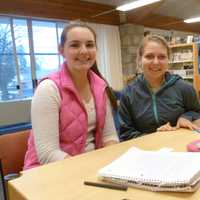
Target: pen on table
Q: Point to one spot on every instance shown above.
(109, 186)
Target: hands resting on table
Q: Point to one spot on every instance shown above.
(181, 123)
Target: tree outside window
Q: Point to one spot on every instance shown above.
(20, 64)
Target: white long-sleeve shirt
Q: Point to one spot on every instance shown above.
(45, 123)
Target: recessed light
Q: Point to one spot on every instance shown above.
(135, 4)
(192, 20)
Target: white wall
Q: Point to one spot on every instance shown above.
(14, 112)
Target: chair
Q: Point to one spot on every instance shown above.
(115, 113)
(3, 194)
(12, 151)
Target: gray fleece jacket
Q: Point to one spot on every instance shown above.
(141, 111)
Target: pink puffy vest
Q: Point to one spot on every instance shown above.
(73, 124)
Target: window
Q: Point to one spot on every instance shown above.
(28, 52)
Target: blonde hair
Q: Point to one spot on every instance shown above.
(145, 41)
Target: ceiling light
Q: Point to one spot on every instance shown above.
(192, 20)
(135, 4)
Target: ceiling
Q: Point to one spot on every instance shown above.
(166, 14)
(109, 2)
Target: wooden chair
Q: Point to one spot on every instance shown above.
(3, 193)
(12, 151)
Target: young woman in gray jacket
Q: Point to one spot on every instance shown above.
(156, 99)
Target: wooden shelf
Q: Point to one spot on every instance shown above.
(185, 45)
(187, 77)
(181, 52)
(181, 61)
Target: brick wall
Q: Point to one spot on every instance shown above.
(131, 36)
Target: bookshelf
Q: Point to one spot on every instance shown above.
(184, 61)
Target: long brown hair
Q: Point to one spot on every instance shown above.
(94, 68)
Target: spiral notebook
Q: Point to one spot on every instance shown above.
(155, 170)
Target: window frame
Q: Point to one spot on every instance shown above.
(31, 53)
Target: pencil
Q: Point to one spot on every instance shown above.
(109, 186)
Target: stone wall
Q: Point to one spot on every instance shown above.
(130, 36)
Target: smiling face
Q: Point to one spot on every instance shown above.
(154, 60)
(79, 49)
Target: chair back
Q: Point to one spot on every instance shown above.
(13, 147)
(3, 193)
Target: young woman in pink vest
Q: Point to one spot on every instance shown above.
(71, 109)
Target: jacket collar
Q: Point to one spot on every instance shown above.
(170, 79)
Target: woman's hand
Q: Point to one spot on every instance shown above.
(166, 127)
(185, 123)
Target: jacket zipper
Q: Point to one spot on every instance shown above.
(155, 107)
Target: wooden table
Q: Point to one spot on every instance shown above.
(63, 180)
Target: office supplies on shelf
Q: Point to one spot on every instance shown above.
(155, 170)
(109, 186)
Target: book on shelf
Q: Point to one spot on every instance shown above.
(184, 73)
(155, 170)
